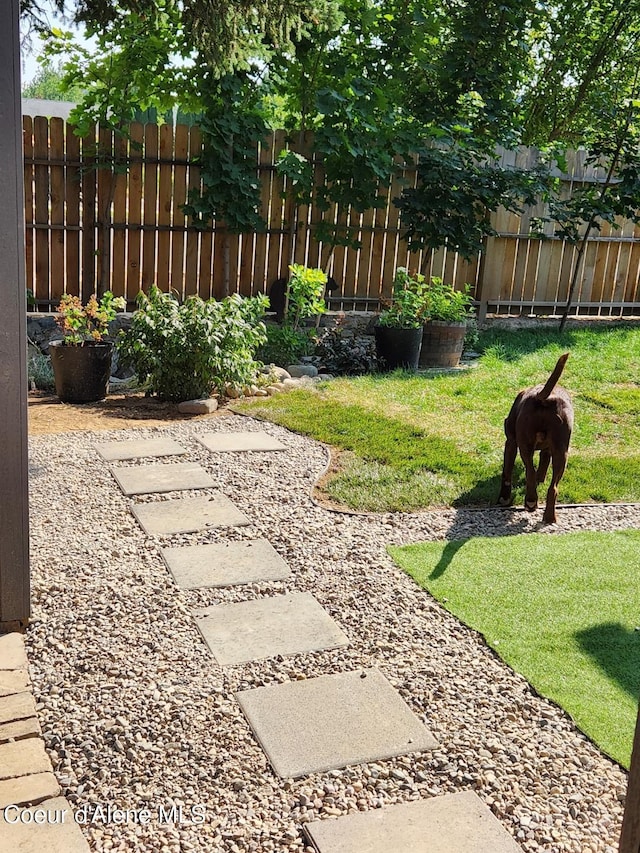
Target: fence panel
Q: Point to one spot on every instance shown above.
(91, 226)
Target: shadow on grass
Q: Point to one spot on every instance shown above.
(616, 650)
(505, 522)
(450, 550)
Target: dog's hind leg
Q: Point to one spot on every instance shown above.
(559, 464)
(543, 466)
(531, 493)
(510, 452)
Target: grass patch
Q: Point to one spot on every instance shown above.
(561, 610)
(439, 437)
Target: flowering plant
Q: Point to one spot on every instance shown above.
(90, 322)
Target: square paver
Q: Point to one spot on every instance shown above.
(223, 442)
(188, 515)
(114, 451)
(17, 706)
(23, 758)
(20, 729)
(59, 834)
(266, 627)
(225, 564)
(28, 790)
(332, 721)
(13, 681)
(12, 651)
(454, 823)
(152, 479)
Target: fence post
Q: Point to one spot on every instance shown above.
(630, 835)
(14, 500)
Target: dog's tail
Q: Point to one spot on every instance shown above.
(553, 379)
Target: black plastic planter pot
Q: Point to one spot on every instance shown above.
(398, 348)
(82, 371)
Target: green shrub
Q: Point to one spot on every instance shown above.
(285, 345)
(189, 350)
(305, 297)
(40, 373)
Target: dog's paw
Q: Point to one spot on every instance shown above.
(505, 501)
(531, 506)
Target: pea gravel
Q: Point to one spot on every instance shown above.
(137, 715)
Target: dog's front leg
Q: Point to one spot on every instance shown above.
(510, 452)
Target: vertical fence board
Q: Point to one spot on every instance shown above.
(106, 186)
(181, 150)
(27, 132)
(134, 241)
(150, 204)
(88, 191)
(41, 152)
(163, 273)
(197, 278)
(72, 211)
(57, 207)
(261, 242)
(120, 231)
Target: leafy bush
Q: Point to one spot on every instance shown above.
(40, 373)
(305, 297)
(347, 356)
(446, 304)
(408, 308)
(285, 345)
(90, 322)
(189, 350)
(472, 336)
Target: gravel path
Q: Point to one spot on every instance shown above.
(137, 715)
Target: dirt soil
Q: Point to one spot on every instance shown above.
(118, 411)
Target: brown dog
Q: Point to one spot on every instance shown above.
(541, 418)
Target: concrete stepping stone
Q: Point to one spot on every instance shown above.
(28, 790)
(226, 564)
(266, 627)
(52, 828)
(453, 823)
(116, 451)
(13, 681)
(332, 721)
(17, 706)
(224, 442)
(23, 758)
(152, 479)
(12, 651)
(188, 515)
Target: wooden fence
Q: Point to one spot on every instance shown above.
(88, 227)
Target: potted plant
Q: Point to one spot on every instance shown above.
(446, 324)
(398, 331)
(81, 361)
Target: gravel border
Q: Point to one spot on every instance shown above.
(137, 715)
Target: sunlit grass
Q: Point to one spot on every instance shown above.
(561, 610)
(437, 439)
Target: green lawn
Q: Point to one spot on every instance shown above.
(418, 441)
(564, 611)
